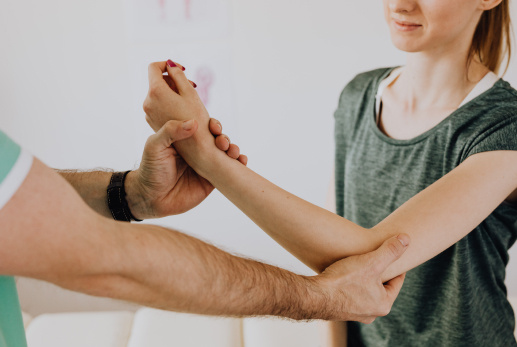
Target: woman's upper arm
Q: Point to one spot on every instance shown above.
(48, 232)
(449, 209)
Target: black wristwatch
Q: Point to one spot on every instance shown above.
(117, 202)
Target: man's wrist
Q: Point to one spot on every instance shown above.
(136, 201)
(321, 303)
(307, 298)
(317, 304)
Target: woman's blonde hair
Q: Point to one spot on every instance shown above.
(492, 40)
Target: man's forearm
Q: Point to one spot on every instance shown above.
(169, 270)
(92, 187)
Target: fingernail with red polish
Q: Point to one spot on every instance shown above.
(171, 63)
(194, 85)
(183, 68)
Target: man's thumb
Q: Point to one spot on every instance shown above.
(173, 131)
(391, 250)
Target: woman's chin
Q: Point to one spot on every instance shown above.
(406, 45)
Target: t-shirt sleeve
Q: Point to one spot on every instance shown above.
(15, 164)
(501, 137)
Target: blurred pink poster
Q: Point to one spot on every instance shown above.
(170, 20)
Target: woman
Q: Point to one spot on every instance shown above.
(429, 149)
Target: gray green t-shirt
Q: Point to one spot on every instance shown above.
(457, 298)
(15, 164)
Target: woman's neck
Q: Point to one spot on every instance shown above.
(438, 80)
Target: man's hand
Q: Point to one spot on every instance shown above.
(164, 184)
(355, 287)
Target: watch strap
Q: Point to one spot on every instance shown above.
(117, 202)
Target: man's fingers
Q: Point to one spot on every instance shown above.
(173, 131)
(393, 287)
(391, 250)
(222, 142)
(175, 72)
(216, 127)
(243, 159)
(233, 151)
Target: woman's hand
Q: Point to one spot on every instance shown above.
(173, 97)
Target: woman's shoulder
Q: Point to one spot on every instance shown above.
(357, 95)
(504, 92)
(497, 104)
(363, 82)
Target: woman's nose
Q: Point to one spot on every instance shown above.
(402, 6)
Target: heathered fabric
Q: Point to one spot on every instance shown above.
(458, 298)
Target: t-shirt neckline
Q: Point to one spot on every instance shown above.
(373, 114)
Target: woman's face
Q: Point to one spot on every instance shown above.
(424, 25)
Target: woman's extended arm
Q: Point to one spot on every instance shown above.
(435, 219)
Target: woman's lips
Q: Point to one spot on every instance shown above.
(405, 26)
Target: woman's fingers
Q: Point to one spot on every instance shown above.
(172, 85)
(155, 74)
(216, 127)
(180, 80)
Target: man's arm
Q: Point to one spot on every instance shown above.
(92, 187)
(49, 233)
(436, 218)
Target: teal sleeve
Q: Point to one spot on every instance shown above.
(12, 332)
(9, 153)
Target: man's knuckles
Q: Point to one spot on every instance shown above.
(383, 310)
(368, 320)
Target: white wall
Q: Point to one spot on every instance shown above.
(66, 79)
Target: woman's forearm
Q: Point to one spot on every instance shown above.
(315, 236)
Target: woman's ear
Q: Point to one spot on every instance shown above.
(487, 5)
